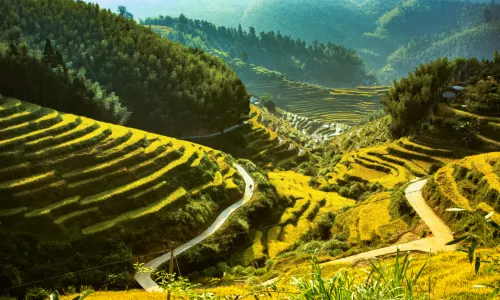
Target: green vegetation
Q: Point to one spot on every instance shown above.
(170, 89)
(23, 69)
(412, 101)
(91, 193)
(326, 64)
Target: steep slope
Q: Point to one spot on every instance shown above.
(471, 184)
(169, 88)
(69, 182)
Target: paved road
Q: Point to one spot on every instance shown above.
(144, 279)
(193, 137)
(441, 233)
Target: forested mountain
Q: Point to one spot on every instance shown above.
(327, 64)
(375, 29)
(169, 88)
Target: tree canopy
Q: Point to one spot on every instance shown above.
(170, 89)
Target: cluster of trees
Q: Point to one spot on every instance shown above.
(410, 100)
(169, 88)
(47, 81)
(326, 64)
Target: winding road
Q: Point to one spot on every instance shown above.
(441, 232)
(193, 137)
(144, 279)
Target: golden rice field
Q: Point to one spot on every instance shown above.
(308, 204)
(447, 275)
(74, 172)
(389, 164)
(267, 148)
(370, 221)
(326, 105)
(472, 183)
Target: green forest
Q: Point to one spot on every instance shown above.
(166, 87)
(392, 37)
(321, 63)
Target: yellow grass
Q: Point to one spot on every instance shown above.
(137, 213)
(447, 187)
(482, 164)
(12, 211)
(292, 184)
(35, 133)
(148, 190)
(254, 252)
(103, 166)
(15, 116)
(141, 182)
(366, 221)
(27, 180)
(75, 214)
(49, 208)
(229, 183)
(85, 125)
(292, 213)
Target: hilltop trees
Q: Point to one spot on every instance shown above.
(327, 64)
(410, 100)
(169, 88)
(47, 81)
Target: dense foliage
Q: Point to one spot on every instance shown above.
(169, 88)
(317, 62)
(47, 81)
(412, 99)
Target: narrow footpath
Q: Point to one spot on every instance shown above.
(144, 279)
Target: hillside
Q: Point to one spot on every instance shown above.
(323, 63)
(471, 184)
(169, 88)
(108, 192)
(260, 143)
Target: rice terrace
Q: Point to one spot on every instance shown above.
(224, 149)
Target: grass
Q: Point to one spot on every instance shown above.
(50, 208)
(256, 251)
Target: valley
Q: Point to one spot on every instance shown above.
(283, 151)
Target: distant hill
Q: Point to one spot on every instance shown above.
(374, 28)
(323, 63)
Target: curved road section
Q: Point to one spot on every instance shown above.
(144, 279)
(441, 233)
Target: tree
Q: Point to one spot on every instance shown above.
(244, 56)
(122, 11)
(267, 101)
(496, 56)
(487, 15)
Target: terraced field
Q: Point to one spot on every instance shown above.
(489, 126)
(74, 174)
(388, 165)
(318, 131)
(472, 183)
(307, 205)
(345, 106)
(260, 143)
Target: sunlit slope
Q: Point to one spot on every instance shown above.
(260, 144)
(388, 165)
(471, 183)
(78, 176)
(307, 205)
(323, 104)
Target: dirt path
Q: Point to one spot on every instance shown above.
(144, 279)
